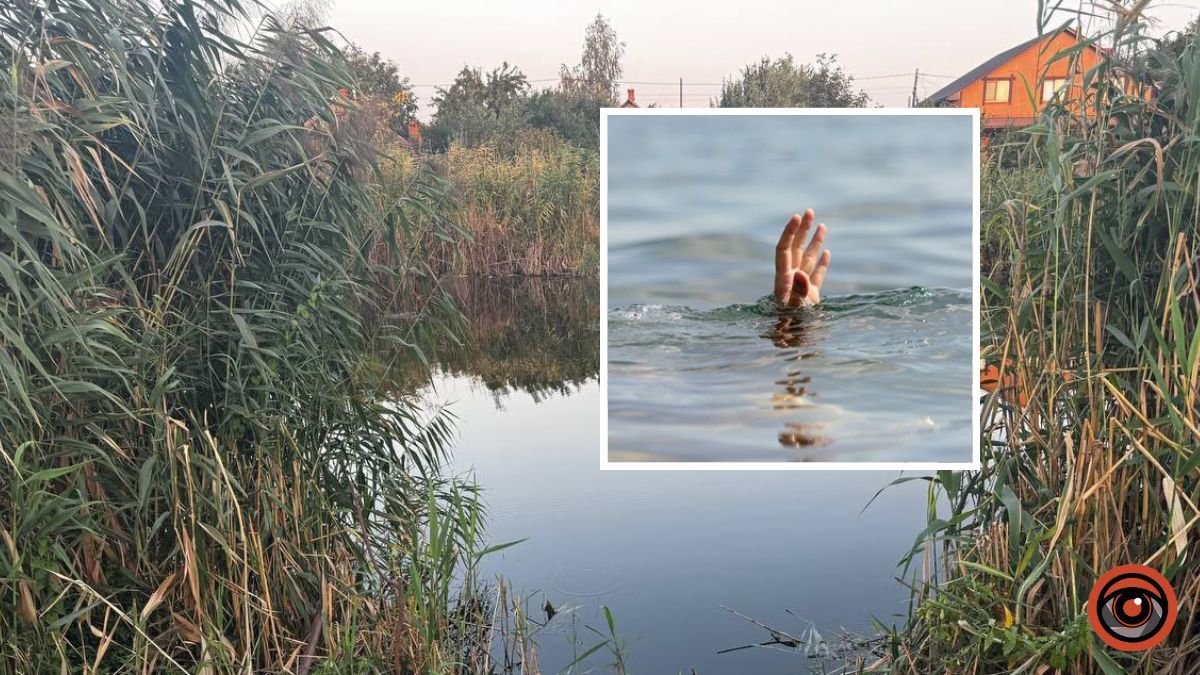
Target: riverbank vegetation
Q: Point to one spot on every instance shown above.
(520, 167)
(204, 466)
(525, 205)
(1090, 443)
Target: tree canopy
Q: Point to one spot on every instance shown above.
(379, 79)
(477, 106)
(783, 83)
(480, 107)
(598, 74)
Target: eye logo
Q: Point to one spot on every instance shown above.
(1132, 608)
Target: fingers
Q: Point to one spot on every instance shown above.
(808, 262)
(800, 285)
(798, 241)
(783, 256)
(783, 259)
(783, 282)
(818, 274)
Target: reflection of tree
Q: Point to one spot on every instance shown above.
(537, 335)
(791, 333)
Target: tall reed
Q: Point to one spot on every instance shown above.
(1091, 444)
(527, 205)
(201, 466)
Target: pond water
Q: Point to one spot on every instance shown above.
(664, 549)
(701, 368)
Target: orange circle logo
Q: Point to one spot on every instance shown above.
(1132, 608)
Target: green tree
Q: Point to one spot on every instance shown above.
(378, 78)
(478, 106)
(1176, 41)
(783, 83)
(574, 117)
(599, 71)
(505, 89)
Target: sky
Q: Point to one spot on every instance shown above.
(879, 42)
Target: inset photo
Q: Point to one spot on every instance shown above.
(790, 288)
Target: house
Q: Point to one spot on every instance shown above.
(629, 101)
(1011, 88)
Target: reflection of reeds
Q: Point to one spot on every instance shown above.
(537, 335)
(1092, 437)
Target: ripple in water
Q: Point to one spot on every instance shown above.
(869, 377)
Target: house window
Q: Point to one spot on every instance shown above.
(1051, 86)
(997, 91)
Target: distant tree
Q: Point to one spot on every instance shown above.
(506, 87)
(573, 116)
(1155, 68)
(1176, 41)
(378, 78)
(783, 83)
(478, 106)
(599, 71)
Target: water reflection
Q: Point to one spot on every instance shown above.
(540, 336)
(664, 550)
(791, 333)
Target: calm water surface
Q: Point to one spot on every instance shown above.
(701, 369)
(663, 550)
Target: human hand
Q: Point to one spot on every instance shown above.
(800, 270)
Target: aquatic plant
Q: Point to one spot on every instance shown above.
(1091, 440)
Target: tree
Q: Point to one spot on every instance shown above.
(1176, 41)
(574, 117)
(599, 71)
(505, 88)
(379, 79)
(1154, 68)
(782, 83)
(478, 106)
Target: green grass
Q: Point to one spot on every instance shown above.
(1090, 448)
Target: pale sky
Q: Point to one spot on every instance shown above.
(664, 40)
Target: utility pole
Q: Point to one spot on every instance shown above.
(681, 92)
(912, 103)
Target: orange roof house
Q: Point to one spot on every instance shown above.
(629, 101)
(1011, 88)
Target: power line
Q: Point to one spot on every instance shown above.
(675, 83)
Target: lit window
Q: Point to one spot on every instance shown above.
(1051, 86)
(997, 91)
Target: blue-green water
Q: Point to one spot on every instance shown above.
(699, 370)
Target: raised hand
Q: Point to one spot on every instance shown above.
(799, 269)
